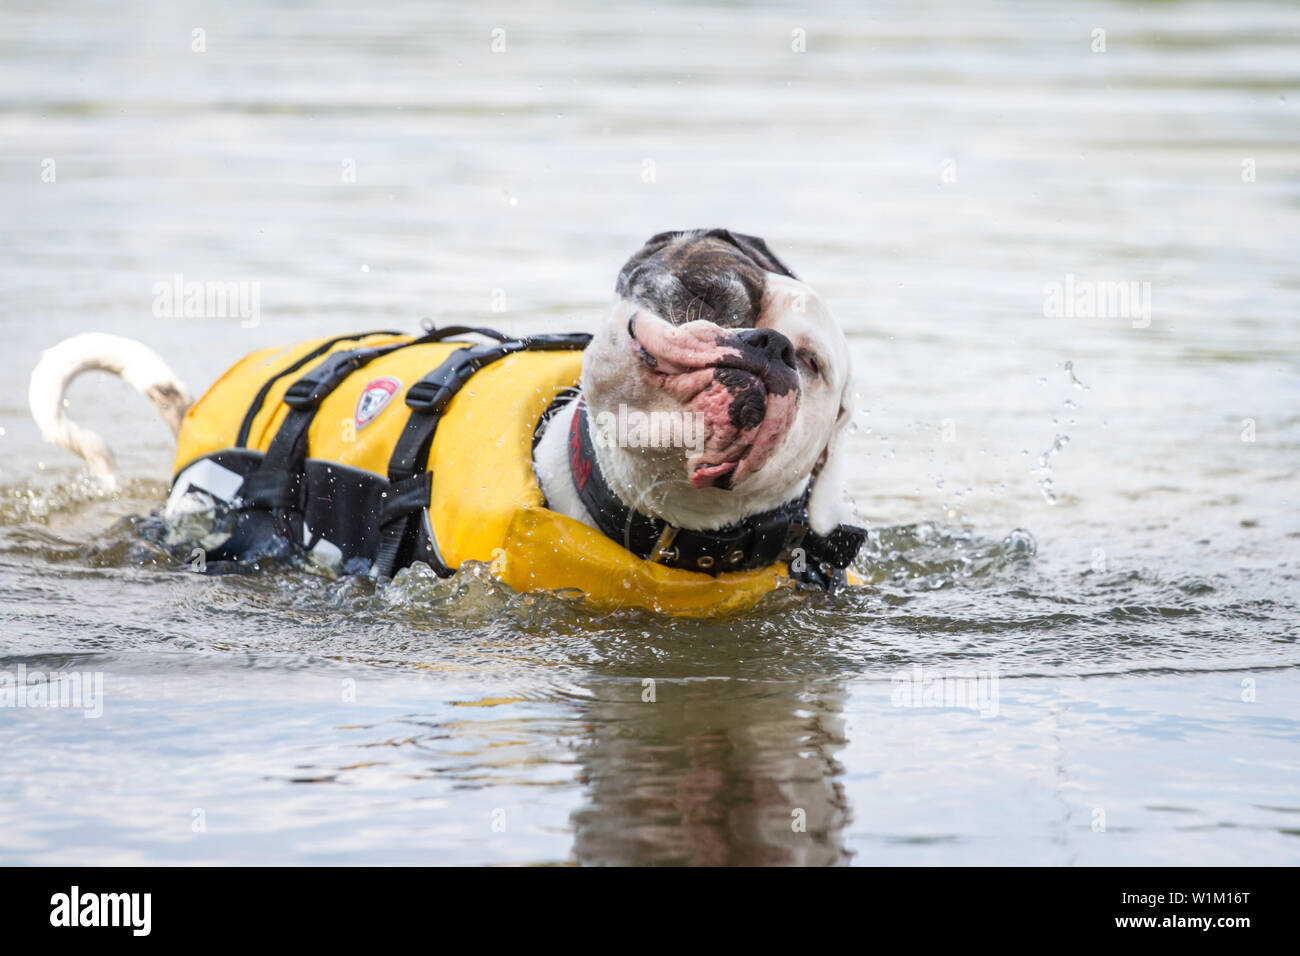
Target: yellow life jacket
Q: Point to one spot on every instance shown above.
(472, 494)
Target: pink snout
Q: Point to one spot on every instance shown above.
(741, 384)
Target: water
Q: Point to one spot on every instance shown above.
(1097, 510)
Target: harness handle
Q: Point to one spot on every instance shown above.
(435, 334)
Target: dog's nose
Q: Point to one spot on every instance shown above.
(775, 346)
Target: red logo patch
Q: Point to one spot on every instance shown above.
(374, 399)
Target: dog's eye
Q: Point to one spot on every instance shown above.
(810, 362)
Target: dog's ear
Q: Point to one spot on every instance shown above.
(753, 247)
(826, 506)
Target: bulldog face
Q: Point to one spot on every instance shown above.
(715, 343)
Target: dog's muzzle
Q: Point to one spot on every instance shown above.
(742, 384)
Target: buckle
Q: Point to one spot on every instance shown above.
(427, 396)
(311, 387)
(663, 550)
(432, 393)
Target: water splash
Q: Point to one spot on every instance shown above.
(38, 502)
(1044, 468)
(928, 556)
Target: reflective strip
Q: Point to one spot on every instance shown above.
(204, 475)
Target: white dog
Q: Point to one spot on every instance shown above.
(713, 403)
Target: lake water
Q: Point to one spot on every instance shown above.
(1087, 511)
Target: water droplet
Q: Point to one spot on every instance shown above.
(1069, 370)
(1045, 468)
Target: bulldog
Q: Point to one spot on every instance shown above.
(705, 433)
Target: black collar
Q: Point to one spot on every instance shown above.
(756, 542)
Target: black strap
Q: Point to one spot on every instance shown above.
(402, 500)
(282, 464)
(431, 335)
(245, 427)
(447, 331)
(428, 399)
(758, 541)
(270, 498)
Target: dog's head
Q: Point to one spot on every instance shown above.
(722, 377)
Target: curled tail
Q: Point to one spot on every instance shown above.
(133, 361)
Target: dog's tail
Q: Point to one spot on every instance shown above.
(133, 361)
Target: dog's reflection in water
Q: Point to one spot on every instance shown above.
(711, 773)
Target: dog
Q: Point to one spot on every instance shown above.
(710, 337)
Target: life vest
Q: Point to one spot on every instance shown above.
(369, 452)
